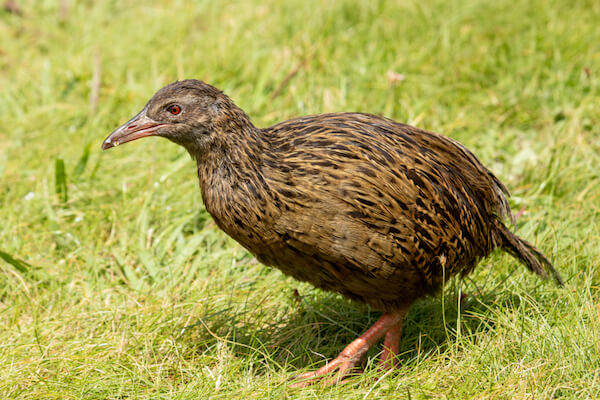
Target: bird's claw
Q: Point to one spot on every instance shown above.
(330, 374)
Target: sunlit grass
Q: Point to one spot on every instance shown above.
(115, 283)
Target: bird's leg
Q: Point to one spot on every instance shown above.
(391, 344)
(345, 362)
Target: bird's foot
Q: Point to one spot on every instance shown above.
(390, 325)
(336, 370)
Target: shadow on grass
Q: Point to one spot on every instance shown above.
(315, 328)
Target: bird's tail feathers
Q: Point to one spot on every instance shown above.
(534, 259)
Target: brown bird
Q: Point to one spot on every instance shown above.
(378, 211)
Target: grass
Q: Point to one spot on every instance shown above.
(114, 282)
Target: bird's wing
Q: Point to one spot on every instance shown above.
(375, 193)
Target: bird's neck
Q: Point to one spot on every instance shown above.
(233, 162)
(236, 148)
(231, 176)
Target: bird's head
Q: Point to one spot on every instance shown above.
(190, 113)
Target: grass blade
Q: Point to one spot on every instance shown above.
(19, 265)
(82, 163)
(61, 180)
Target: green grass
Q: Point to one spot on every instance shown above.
(115, 283)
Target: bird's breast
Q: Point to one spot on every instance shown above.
(242, 208)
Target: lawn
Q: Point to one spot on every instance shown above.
(115, 283)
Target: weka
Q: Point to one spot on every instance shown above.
(378, 211)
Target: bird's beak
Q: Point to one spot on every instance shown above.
(137, 127)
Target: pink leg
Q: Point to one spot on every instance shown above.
(345, 362)
(391, 344)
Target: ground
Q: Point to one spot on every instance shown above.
(115, 283)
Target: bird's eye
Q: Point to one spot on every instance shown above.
(174, 109)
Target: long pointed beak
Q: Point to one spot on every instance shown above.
(137, 127)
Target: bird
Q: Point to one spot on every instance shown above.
(379, 211)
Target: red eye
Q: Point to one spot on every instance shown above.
(174, 109)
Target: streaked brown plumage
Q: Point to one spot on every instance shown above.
(378, 211)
